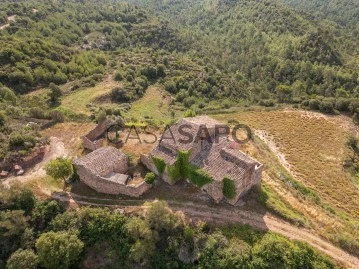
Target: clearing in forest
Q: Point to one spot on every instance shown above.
(155, 105)
(79, 100)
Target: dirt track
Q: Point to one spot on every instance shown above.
(236, 215)
(56, 149)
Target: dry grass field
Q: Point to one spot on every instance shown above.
(312, 148)
(315, 147)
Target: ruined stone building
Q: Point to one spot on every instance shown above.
(105, 170)
(94, 139)
(217, 161)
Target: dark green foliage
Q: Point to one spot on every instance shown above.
(157, 238)
(55, 93)
(3, 119)
(229, 188)
(159, 163)
(21, 199)
(199, 177)
(44, 212)
(150, 178)
(180, 169)
(58, 250)
(22, 259)
(118, 76)
(12, 225)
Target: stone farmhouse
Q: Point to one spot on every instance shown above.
(216, 164)
(105, 170)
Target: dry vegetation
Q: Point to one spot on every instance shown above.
(312, 147)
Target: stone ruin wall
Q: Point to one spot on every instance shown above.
(146, 161)
(92, 145)
(90, 139)
(102, 185)
(214, 190)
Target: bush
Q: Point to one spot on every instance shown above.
(57, 116)
(326, 106)
(342, 104)
(22, 140)
(129, 78)
(267, 103)
(189, 101)
(229, 188)
(118, 76)
(150, 178)
(314, 104)
(37, 113)
(170, 86)
(189, 113)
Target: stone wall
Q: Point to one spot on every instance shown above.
(214, 190)
(91, 140)
(103, 185)
(147, 161)
(92, 145)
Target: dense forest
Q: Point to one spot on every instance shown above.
(275, 53)
(40, 233)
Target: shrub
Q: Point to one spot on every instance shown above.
(55, 93)
(189, 101)
(57, 116)
(314, 104)
(129, 78)
(37, 113)
(189, 113)
(150, 178)
(21, 140)
(326, 106)
(118, 76)
(170, 86)
(267, 103)
(229, 188)
(342, 104)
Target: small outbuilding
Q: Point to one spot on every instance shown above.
(105, 170)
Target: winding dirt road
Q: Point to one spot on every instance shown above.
(195, 211)
(225, 216)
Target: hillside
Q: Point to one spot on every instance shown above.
(288, 69)
(345, 13)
